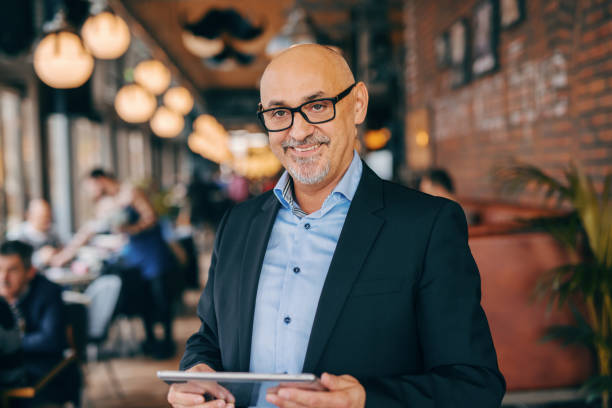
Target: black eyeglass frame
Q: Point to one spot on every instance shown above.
(333, 100)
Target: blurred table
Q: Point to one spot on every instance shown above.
(65, 277)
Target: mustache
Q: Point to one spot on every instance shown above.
(310, 140)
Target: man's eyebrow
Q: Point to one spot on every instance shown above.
(280, 103)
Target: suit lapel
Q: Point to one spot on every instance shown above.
(358, 234)
(255, 249)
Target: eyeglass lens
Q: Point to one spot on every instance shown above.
(316, 112)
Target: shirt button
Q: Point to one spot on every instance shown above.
(307, 226)
(296, 269)
(287, 320)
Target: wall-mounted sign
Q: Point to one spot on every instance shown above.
(485, 38)
(459, 53)
(512, 12)
(442, 49)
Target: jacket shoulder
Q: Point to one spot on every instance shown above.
(410, 201)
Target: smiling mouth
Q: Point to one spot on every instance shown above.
(306, 149)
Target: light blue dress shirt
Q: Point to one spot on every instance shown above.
(294, 269)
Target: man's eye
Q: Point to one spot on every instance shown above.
(318, 106)
(279, 113)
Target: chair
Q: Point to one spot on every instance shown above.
(103, 294)
(34, 390)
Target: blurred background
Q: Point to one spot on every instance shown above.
(502, 105)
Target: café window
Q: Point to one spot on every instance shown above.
(12, 178)
(91, 148)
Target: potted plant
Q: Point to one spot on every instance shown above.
(586, 282)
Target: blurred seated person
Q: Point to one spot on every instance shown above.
(126, 209)
(37, 230)
(12, 372)
(437, 182)
(38, 308)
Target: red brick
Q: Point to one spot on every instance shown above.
(587, 138)
(594, 154)
(551, 7)
(597, 86)
(605, 135)
(605, 101)
(600, 119)
(585, 105)
(594, 16)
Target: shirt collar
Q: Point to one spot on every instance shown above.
(346, 187)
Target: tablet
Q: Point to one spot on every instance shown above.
(245, 387)
(172, 377)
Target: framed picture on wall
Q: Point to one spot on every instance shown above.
(442, 48)
(512, 12)
(485, 38)
(459, 53)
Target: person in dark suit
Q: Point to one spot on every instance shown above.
(38, 308)
(338, 273)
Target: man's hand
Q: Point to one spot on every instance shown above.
(344, 392)
(191, 394)
(45, 254)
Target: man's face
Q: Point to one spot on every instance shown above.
(312, 153)
(94, 188)
(14, 277)
(40, 217)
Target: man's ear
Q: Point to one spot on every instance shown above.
(361, 102)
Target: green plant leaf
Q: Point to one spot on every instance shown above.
(596, 385)
(568, 335)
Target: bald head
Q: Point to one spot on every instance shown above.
(310, 64)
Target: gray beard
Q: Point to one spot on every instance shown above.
(303, 175)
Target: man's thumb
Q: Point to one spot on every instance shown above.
(331, 382)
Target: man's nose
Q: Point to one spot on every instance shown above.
(301, 128)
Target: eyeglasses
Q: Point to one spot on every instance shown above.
(316, 111)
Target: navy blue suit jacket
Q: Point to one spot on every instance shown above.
(399, 310)
(44, 341)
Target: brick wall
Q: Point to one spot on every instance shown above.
(549, 103)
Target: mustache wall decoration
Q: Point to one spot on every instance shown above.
(217, 22)
(222, 35)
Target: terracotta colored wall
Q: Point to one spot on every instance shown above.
(550, 102)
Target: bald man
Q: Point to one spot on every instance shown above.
(336, 272)
(37, 230)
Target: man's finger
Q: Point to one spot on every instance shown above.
(283, 403)
(310, 398)
(185, 395)
(334, 382)
(210, 404)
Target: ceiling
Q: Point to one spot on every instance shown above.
(233, 91)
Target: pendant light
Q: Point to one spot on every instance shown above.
(167, 123)
(153, 75)
(134, 104)
(60, 59)
(106, 35)
(179, 99)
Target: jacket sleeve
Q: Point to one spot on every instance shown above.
(203, 346)
(50, 334)
(460, 363)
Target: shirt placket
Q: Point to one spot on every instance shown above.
(284, 318)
